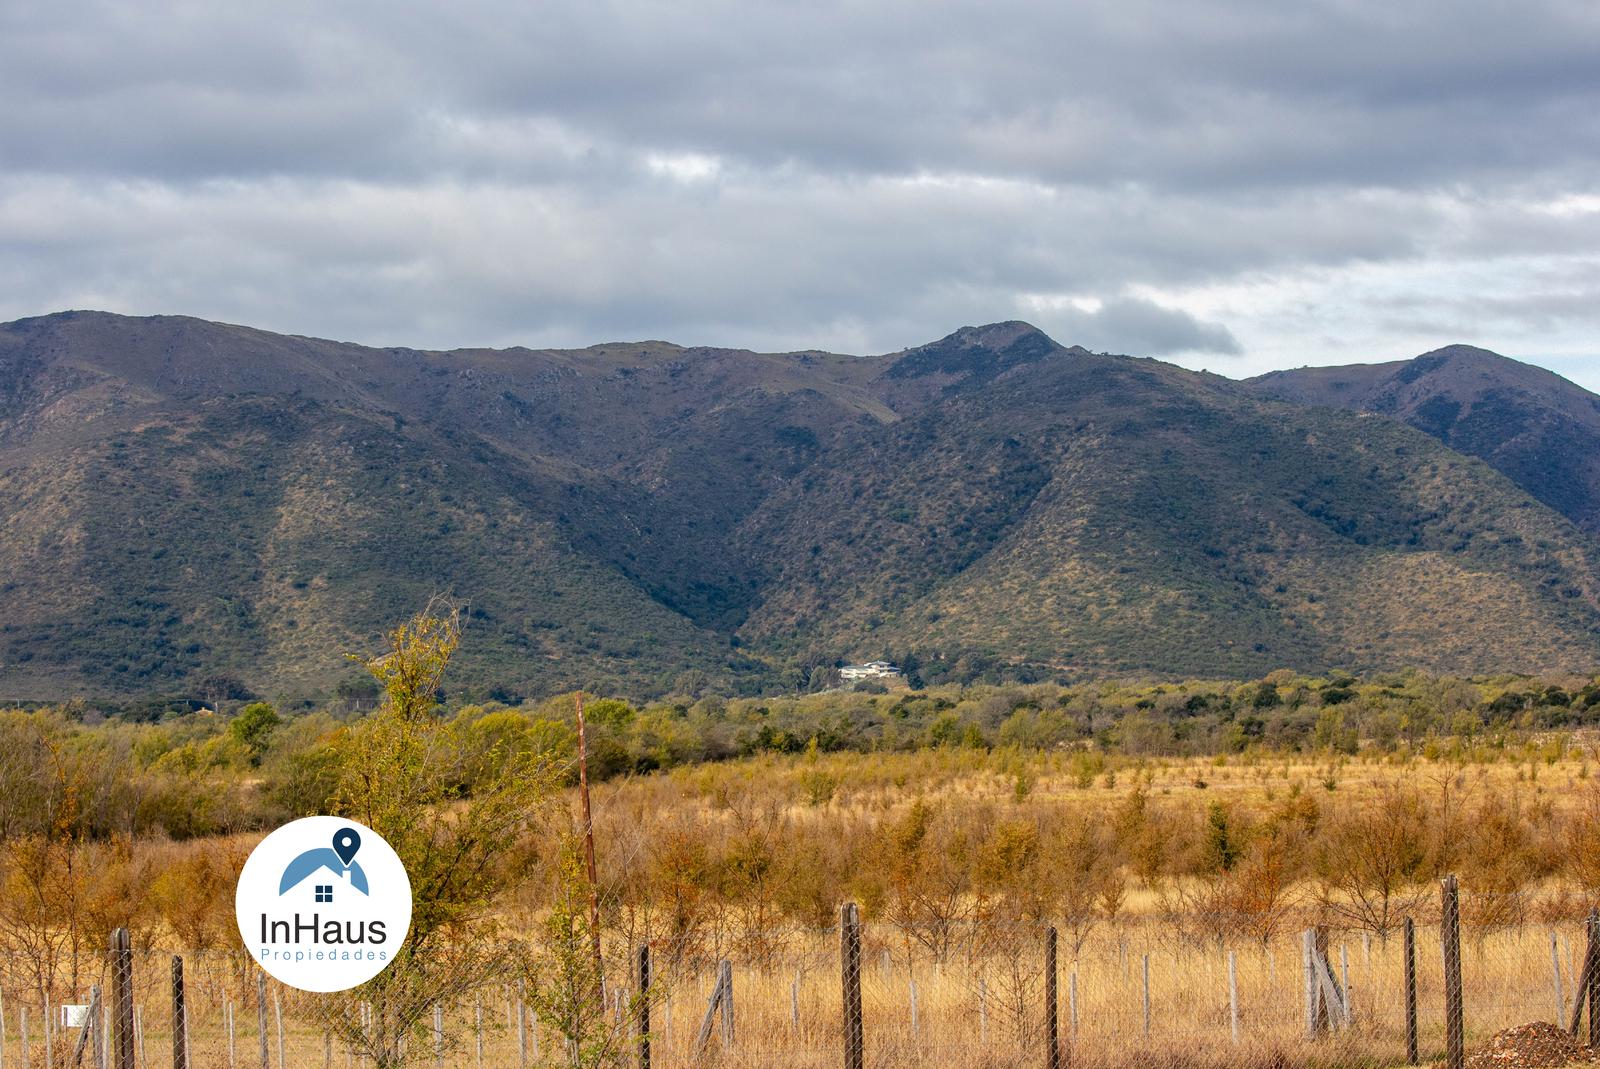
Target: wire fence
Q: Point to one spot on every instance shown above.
(1174, 990)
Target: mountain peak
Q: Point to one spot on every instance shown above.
(976, 354)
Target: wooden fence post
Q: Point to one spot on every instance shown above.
(1233, 996)
(644, 1006)
(1147, 995)
(180, 1049)
(1308, 967)
(727, 1005)
(522, 1023)
(1450, 935)
(122, 999)
(1555, 972)
(261, 1015)
(438, 1036)
(277, 1016)
(1411, 990)
(1052, 1004)
(850, 975)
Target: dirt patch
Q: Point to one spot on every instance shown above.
(1540, 1045)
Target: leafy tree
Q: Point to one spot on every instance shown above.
(397, 776)
(253, 729)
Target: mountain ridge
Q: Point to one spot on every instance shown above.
(185, 499)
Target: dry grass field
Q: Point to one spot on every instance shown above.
(747, 861)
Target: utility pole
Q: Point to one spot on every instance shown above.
(588, 853)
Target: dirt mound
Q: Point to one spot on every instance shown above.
(1539, 1045)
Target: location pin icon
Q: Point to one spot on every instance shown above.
(345, 843)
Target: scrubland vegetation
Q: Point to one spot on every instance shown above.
(963, 820)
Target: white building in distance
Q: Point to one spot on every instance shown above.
(855, 673)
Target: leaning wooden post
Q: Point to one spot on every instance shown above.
(1052, 1006)
(1450, 934)
(850, 975)
(122, 999)
(644, 1005)
(180, 1050)
(1411, 990)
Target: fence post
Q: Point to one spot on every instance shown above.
(1411, 990)
(644, 1006)
(522, 1022)
(277, 1016)
(1072, 1000)
(122, 999)
(1555, 972)
(1233, 996)
(850, 974)
(1594, 980)
(101, 1025)
(1309, 968)
(1147, 995)
(438, 1036)
(1052, 1004)
(180, 1050)
(1450, 934)
(261, 1015)
(727, 1005)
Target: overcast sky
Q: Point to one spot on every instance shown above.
(1239, 186)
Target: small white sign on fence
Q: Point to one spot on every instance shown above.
(74, 1016)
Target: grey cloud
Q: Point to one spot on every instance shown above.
(1240, 94)
(1143, 328)
(1282, 181)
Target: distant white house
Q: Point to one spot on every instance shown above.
(855, 673)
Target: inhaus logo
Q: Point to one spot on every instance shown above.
(323, 904)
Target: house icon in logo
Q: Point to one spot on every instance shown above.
(339, 860)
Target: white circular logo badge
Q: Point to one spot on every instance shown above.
(323, 904)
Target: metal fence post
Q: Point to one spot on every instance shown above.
(122, 999)
(180, 1049)
(1411, 991)
(644, 1006)
(1052, 1004)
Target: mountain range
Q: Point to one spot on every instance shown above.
(184, 501)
